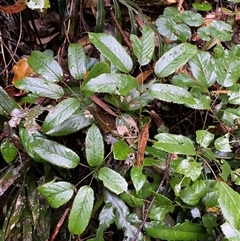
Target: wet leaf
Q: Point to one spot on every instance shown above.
(46, 66)
(81, 210)
(76, 61)
(55, 153)
(94, 147)
(59, 113)
(171, 93)
(174, 59)
(8, 151)
(143, 48)
(119, 84)
(184, 231)
(174, 144)
(112, 180)
(112, 50)
(40, 87)
(228, 201)
(138, 178)
(204, 138)
(56, 193)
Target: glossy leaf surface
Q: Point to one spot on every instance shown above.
(81, 210)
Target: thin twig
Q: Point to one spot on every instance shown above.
(166, 180)
(109, 8)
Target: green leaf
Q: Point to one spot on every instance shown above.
(112, 180)
(192, 19)
(81, 210)
(119, 84)
(204, 138)
(216, 29)
(121, 150)
(183, 32)
(166, 28)
(55, 153)
(231, 116)
(5, 101)
(191, 195)
(210, 221)
(234, 97)
(46, 66)
(227, 74)
(162, 206)
(94, 147)
(174, 59)
(59, 113)
(27, 138)
(40, 87)
(174, 144)
(76, 61)
(171, 93)
(226, 170)
(229, 204)
(184, 231)
(202, 68)
(202, 6)
(9, 151)
(106, 218)
(121, 212)
(138, 178)
(143, 48)
(57, 193)
(72, 124)
(190, 168)
(112, 50)
(98, 69)
(38, 4)
(222, 143)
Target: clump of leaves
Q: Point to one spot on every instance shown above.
(120, 167)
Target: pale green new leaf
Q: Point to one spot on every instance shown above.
(229, 204)
(56, 193)
(222, 143)
(94, 147)
(59, 113)
(143, 48)
(190, 168)
(81, 210)
(202, 68)
(174, 59)
(138, 178)
(185, 231)
(55, 153)
(204, 138)
(112, 50)
(40, 87)
(112, 180)
(171, 93)
(119, 84)
(46, 66)
(76, 61)
(174, 144)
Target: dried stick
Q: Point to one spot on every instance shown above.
(109, 8)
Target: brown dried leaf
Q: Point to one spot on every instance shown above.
(17, 7)
(142, 142)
